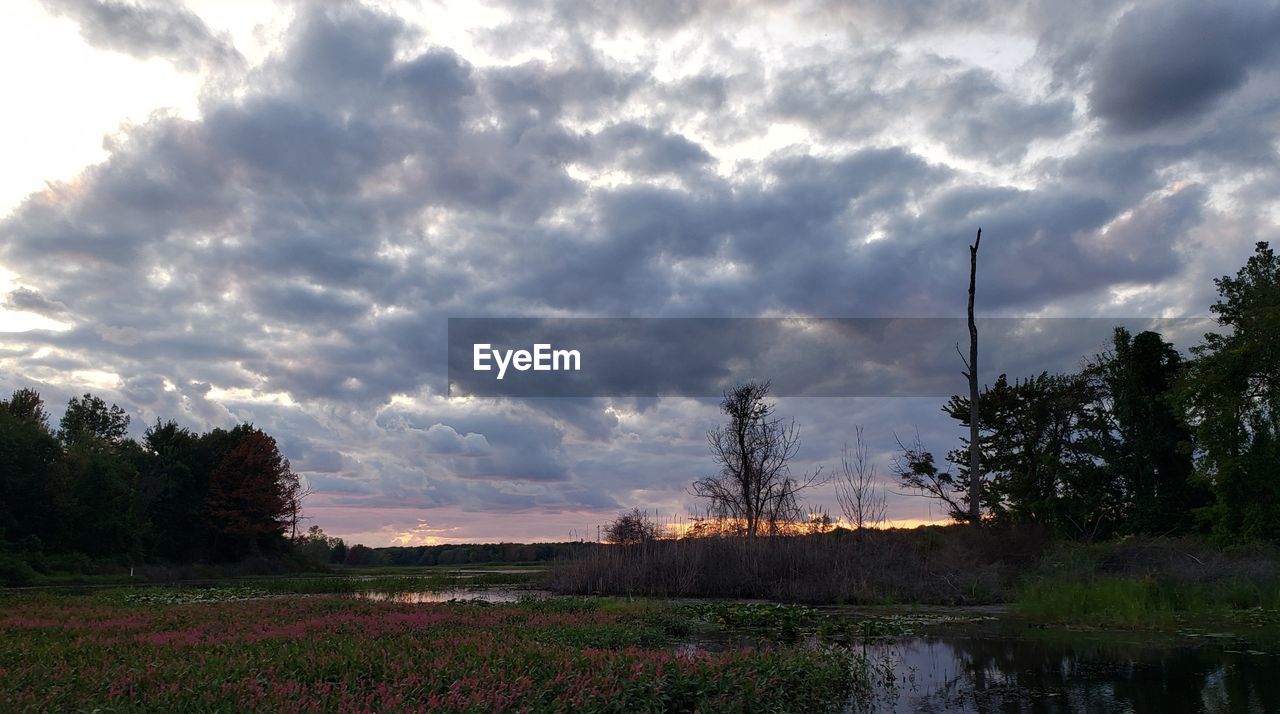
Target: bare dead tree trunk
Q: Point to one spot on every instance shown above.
(975, 475)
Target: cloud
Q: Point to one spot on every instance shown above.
(291, 254)
(144, 30)
(1168, 61)
(28, 300)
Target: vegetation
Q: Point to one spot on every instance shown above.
(85, 492)
(754, 488)
(1140, 441)
(336, 654)
(1149, 582)
(944, 565)
(632, 528)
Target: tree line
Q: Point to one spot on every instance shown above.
(1141, 440)
(86, 488)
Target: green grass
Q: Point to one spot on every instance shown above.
(347, 581)
(1140, 602)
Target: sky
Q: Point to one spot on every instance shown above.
(223, 212)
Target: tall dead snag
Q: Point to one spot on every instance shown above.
(971, 371)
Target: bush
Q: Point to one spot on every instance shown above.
(15, 571)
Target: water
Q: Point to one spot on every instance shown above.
(1072, 672)
(494, 595)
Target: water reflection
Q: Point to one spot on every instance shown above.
(486, 595)
(1001, 674)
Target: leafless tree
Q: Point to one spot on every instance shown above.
(971, 373)
(295, 493)
(754, 485)
(863, 504)
(633, 527)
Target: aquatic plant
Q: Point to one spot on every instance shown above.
(342, 654)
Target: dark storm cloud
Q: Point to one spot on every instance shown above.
(150, 29)
(1172, 60)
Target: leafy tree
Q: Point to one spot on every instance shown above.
(248, 502)
(28, 456)
(1231, 394)
(1041, 440)
(1042, 445)
(26, 404)
(318, 547)
(176, 496)
(89, 417)
(96, 506)
(179, 476)
(1151, 451)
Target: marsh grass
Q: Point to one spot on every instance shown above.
(1137, 602)
(258, 587)
(1149, 582)
(942, 565)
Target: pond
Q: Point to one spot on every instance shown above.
(494, 595)
(1072, 672)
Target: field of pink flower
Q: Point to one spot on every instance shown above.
(335, 654)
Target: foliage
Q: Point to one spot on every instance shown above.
(177, 496)
(250, 492)
(782, 621)
(1142, 601)
(1109, 450)
(328, 654)
(934, 565)
(1231, 394)
(1041, 439)
(1149, 455)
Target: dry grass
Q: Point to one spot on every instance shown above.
(944, 565)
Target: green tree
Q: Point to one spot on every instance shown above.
(1231, 393)
(1041, 440)
(178, 475)
(1151, 450)
(28, 456)
(27, 405)
(89, 417)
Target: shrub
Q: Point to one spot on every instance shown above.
(15, 571)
